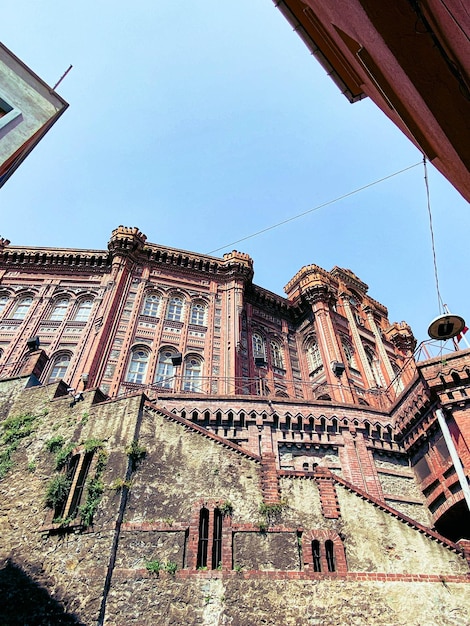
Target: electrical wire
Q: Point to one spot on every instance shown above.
(320, 206)
(440, 302)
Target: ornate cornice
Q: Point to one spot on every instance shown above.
(54, 258)
(401, 336)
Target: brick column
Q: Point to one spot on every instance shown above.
(328, 497)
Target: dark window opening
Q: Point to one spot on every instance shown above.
(316, 556)
(203, 538)
(80, 484)
(217, 540)
(330, 555)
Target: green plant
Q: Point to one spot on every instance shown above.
(63, 455)
(238, 568)
(169, 521)
(94, 493)
(271, 512)
(154, 566)
(55, 443)
(263, 527)
(226, 508)
(32, 467)
(63, 521)
(5, 460)
(120, 483)
(91, 445)
(202, 569)
(17, 427)
(136, 453)
(171, 567)
(57, 491)
(85, 417)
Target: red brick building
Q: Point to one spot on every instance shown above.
(319, 379)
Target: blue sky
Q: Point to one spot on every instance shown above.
(202, 127)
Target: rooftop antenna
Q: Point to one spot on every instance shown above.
(446, 325)
(62, 78)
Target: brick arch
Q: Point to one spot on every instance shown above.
(322, 536)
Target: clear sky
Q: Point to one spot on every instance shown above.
(202, 123)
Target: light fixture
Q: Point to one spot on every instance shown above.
(446, 326)
(176, 359)
(338, 368)
(33, 344)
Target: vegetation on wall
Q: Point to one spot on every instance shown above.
(136, 453)
(95, 490)
(14, 429)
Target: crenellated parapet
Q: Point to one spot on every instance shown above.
(312, 284)
(401, 336)
(4, 243)
(238, 264)
(126, 240)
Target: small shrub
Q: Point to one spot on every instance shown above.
(226, 508)
(171, 567)
(5, 460)
(57, 491)
(154, 566)
(238, 568)
(94, 493)
(63, 455)
(136, 453)
(91, 445)
(17, 427)
(85, 417)
(120, 483)
(32, 467)
(55, 443)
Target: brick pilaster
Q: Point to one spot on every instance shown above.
(328, 497)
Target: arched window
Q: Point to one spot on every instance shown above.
(59, 367)
(349, 354)
(22, 308)
(165, 376)
(175, 309)
(374, 366)
(198, 313)
(83, 310)
(3, 301)
(192, 374)
(203, 538)
(316, 555)
(276, 355)
(151, 304)
(137, 366)
(314, 360)
(259, 347)
(330, 555)
(217, 540)
(59, 310)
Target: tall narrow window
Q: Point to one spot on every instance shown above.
(315, 362)
(259, 350)
(83, 310)
(276, 355)
(349, 354)
(59, 310)
(198, 313)
(217, 540)
(203, 538)
(374, 366)
(59, 367)
(83, 469)
(137, 366)
(22, 308)
(330, 555)
(316, 556)
(175, 309)
(165, 369)
(192, 374)
(151, 304)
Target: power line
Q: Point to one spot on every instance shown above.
(320, 206)
(436, 278)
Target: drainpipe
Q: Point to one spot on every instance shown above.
(454, 456)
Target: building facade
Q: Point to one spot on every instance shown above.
(411, 58)
(28, 109)
(175, 438)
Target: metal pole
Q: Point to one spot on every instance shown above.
(454, 456)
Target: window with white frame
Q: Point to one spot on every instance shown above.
(151, 304)
(314, 359)
(60, 365)
(259, 346)
(198, 313)
(175, 309)
(192, 374)
(83, 310)
(59, 310)
(137, 366)
(349, 354)
(276, 355)
(22, 308)
(165, 376)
